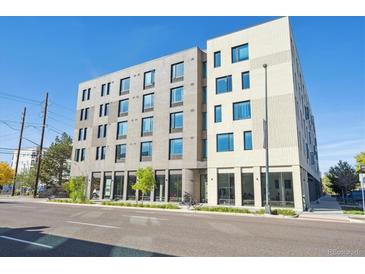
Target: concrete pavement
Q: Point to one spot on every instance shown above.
(46, 229)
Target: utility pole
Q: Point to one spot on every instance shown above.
(266, 132)
(41, 146)
(18, 153)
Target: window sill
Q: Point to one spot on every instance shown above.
(174, 80)
(176, 104)
(175, 157)
(120, 137)
(146, 158)
(149, 86)
(148, 109)
(124, 92)
(120, 161)
(147, 134)
(123, 114)
(174, 130)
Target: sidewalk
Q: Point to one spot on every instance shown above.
(325, 208)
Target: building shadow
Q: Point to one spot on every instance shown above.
(57, 246)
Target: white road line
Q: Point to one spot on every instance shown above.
(26, 242)
(104, 226)
(145, 217)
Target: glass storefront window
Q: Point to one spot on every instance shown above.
(131, 193)
(226, 189)
(203, 188)
(280, 189)
(118, 185)
(95, 185)
(107, 187)
(248, 197)
(160, 187)
(175, 186)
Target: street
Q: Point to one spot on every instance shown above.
(45, 229)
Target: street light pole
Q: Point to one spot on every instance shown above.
(266, 133)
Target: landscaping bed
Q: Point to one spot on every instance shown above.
(126, 204)
(284, 212)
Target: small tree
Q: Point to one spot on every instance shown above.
(76, 189)
(145, 181)
(6, 174)
(360, 160)
(326, 185)
(27, 178)
(342, 177)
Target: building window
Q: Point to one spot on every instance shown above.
(159, 194)
(226, 189)
(122, 129)
(176, 121)
(203, 188)
(247, 140)
(131, 180)
(146, 151)
(123, 108)
(82, 154)
(204, 95)
(177, 96)
(118, 185)
(120, 152)
(175, 186)
(204, 148)
(217, 59)
(148, 102)
(82, 134)
(149, 79)
(147, 126)
(88, 94)
(280, 189)
(204, 69)
(247, 190)
(204, 120)
(100, 153)
(246, 80)
(223, 84)
(104, 110)
(83, 98)
(77, 155)
(217, 114)
(240, 53)
(225, 142)
(176, 148)
(102, 131)
(105, 89)
(241, 110)
(124, 86)
(84, 113)
(177, 72)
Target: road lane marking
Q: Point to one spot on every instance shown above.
(145, 217)
(26, 242)
(97, 225)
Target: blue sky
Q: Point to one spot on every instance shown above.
(54, 54)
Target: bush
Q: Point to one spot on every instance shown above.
(70, 201)
(225, 209)
(128, 204)
(76, 188)
(285, 212)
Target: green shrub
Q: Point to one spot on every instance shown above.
(353, 211)
(70, 201)
(285, 212)
(224, 209)
(76, 189)
(128, 204)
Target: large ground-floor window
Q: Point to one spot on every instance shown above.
(159, 194)
(203, 188)
(131, 193)
(95, 185)
(226, 189)
(107, 185)
(118, 185)
(280, 189)
(175, 186)
(248, 196)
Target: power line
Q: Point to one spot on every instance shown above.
(19, 98)
(62, 106)
(59, 121)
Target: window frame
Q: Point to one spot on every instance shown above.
(119, 137)
(245, 147)
(173, 127)
(175, 156)
(146, 133)
(220, 114)
(144, 109)
(146, 157)
(238, 113)
(230, 145)
(153, 79)
(177, 103)
(217, 53)
(243, 86)
(173, 77)
(121, 91)
(121, 114)
(236, 55)
(228, 84)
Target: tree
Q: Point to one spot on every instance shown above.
(326, 184)
(76, 189)
(6, 174)
(360, 160)
(27, 177)
(145, 180)
(342, 177)
(54, 163)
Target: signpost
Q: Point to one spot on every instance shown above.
(362, 183)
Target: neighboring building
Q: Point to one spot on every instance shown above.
(157, 113)
(27, 158)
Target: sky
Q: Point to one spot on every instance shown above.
(54, 54)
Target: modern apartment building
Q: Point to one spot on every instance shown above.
(196, 117)
(27, 158)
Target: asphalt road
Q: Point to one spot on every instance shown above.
(46, 229)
